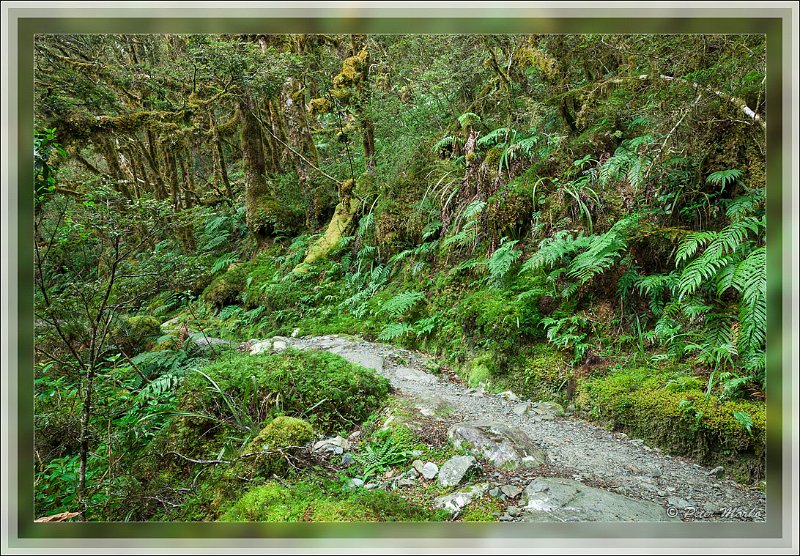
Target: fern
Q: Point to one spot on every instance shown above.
(553, 249)
(224, 261)
(424, 327)
(493, 138)
(745, 205)
(401, 303)
(603, 252)
(568, 332)
(690, 245)
(447, 141)
(502, 259)
(751, 280)
(394, 330)
(724, 177)
(472, 210)
(627, 162)
(366, 223)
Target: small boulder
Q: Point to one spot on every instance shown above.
(511, 491)
(509, 395)
(336, 444)
(559, 500)
(521, 408)
(501, 445)
(455, 470)
(548, 410)
(456, 501)
(429, 470)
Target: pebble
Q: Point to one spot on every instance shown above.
(347, 459)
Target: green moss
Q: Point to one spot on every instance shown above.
(341, 393)
(138, 333)
(227, 288)
(481, 369)
(669, 410)
(481, 509)
(306, 501)
(283, 431)
(338, 226)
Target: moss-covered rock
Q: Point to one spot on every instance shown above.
(283, 431)
(668, 409)
(305, 501)
(138, 333)
(227, 288)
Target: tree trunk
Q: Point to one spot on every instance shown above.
(86, 414)
(254, 169)
(220, 156)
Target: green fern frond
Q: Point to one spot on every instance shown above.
(447, 141)
(502, 259)
(224, 262)
(724, 177)
(699, 271)
(745, 204)
(366, 223)
(730, 238)
(691, 243)
(473, 209)
(492, 138)
(398, 305)
(394, 330)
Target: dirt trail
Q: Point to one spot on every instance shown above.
(580, 450)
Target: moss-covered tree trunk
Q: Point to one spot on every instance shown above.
(254, 170)
(219, 155)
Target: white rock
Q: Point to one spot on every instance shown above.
(429, 470)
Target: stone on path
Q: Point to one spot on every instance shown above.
(454, 470)
(552, 499)
(456, 501)
(368, 360)
(501, 445)
(415, 375)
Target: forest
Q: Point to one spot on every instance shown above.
(231, 229)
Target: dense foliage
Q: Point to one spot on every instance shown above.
(477, 196)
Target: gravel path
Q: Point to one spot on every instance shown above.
(582, 451)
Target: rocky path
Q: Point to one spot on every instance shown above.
(579, 451)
